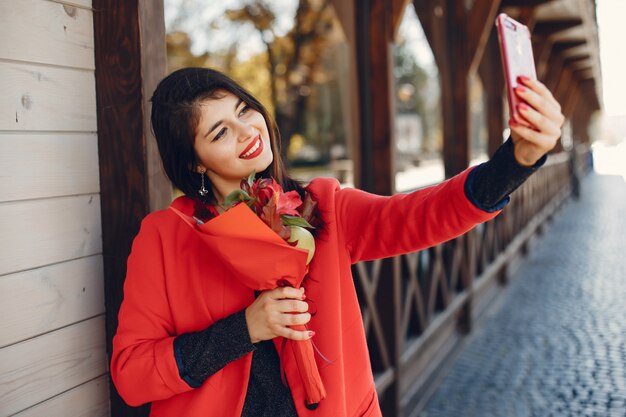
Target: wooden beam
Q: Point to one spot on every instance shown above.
(569, 102)
(491, 73)
(571, 59)
(588, 87)
(551, 77)
(153, 70)
(130, 59)
(584, 74)
(398, 7)
(455, 91)
(374, 22)
(523, 3)
(480, 23)
(543, 47)
(562, 46)
(527, 16)
(377, 86)
(458, 38)
(432, 16)
(564, 83)
(550, 27)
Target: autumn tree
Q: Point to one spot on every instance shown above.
(293, 60)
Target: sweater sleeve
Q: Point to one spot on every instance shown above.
(488, 186)
(143, 366)
(201, 354)
(375, 227)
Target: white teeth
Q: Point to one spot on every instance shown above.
(252, 150)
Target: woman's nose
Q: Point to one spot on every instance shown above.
(246, 131)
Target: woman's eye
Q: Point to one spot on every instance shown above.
(220, 134)
(244, 110)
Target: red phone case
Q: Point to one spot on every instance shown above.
(517, 58)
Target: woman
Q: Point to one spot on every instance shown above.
(193, 341)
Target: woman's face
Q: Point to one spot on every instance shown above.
(231, 141)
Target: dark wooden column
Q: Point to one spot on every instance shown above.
(553, 74)
(491, 73)
(130, 59)
(458, 36)
(374, 51)
(376, 23)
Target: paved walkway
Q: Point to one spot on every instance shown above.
(555, 345)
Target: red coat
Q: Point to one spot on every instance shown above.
(173, 286)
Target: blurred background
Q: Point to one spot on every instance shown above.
(294, 56)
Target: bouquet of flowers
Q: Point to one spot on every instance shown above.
(271, 227)
(283, 212)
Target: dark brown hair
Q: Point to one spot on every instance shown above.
(175, 117)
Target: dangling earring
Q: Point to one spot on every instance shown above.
(202, 191)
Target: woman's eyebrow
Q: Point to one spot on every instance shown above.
(219, 122)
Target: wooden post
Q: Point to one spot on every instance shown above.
(458, 37)
(490, 70)
(375, 29)
(130, 59)
(458, 52)
(374, 45)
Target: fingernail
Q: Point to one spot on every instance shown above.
(303, 296)
(311, 333)
(523, 106)
(523, 78)
(520, 89)
(512, 122)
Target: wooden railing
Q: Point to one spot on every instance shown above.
(418, 307)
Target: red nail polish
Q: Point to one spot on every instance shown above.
(513, 123)
(520, 89)
(523, 78)
(311, 333)
(523, 106)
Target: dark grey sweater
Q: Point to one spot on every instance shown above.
(201, 354)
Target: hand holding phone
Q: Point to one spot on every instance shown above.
(517, 59)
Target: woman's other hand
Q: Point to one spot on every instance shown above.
(541, 110)
(273, 311)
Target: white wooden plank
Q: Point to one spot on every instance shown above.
(38, 369)
(88, 400)
(48, 298)
(48, 165)
(42, 232)
(36, 97)
(80, 3)
(47, 32)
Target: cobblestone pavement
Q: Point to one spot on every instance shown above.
(555, 345)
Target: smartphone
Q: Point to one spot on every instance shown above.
(517, 59)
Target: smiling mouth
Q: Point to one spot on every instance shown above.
(253, 150)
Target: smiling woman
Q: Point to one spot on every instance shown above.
(232, 140)
(194, 340)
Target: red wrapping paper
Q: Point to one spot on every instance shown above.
(262, 260)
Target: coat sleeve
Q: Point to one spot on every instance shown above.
(143, 366)
(375, 227)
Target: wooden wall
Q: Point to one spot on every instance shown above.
(52, 333)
